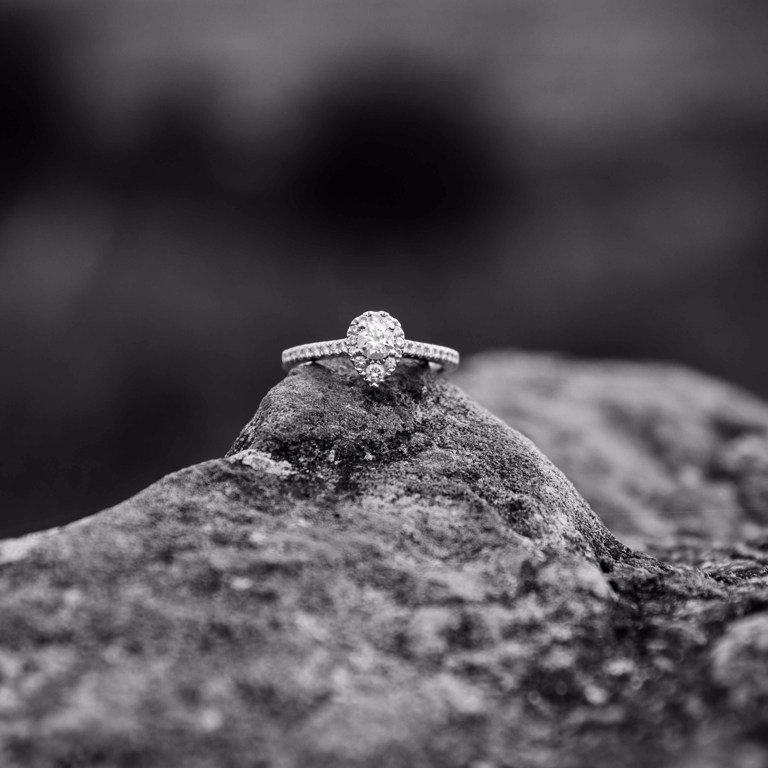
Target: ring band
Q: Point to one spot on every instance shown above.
(306, 353)
(375, 343)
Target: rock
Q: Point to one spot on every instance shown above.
(657, 450)
(387, 577)
(740, 661)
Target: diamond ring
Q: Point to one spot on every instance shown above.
(375, 343)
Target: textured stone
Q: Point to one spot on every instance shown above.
(657, 450)
(386, 577)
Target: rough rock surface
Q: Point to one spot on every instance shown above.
(385, 577)
(657, 450)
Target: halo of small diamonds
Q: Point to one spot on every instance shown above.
(375, 342)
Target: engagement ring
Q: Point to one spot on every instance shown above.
(375, 344)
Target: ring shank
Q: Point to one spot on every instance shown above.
(445, 357)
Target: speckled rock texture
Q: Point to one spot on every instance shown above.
(395, 577)
(657, 450)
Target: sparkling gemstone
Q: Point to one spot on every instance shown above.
(376, 339)
(375, 342)
(374, 373)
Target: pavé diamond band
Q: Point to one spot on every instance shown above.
(375, 343)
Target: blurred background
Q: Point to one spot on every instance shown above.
(186, 188)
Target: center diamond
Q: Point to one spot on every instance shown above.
(376, 339)
(375, 343)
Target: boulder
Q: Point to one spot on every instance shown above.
(657, 450)
(390, 577)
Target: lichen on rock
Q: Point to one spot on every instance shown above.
(377, 577)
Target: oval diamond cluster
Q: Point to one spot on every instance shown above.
(375, 342)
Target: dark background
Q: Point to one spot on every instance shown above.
(186, 188)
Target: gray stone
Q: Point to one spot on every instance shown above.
(657, 450)
(388, 577)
